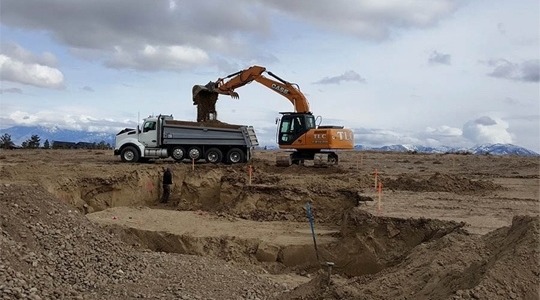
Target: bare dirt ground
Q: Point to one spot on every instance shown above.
(81, 224)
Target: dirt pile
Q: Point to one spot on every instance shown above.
(369, 244)
(439, 183)
(511, 267)
(48, 250)
(499, 265)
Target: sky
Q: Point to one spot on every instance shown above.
(434, 73)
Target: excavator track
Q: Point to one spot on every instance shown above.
(320, 159)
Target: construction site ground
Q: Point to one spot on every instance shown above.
(80, 224)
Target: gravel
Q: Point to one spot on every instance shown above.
(49, 250)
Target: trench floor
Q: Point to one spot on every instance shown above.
(203, 225)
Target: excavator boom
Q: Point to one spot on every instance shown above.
(228, 85)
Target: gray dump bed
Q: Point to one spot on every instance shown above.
(192, 133)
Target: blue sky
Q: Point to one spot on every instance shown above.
(440, 72)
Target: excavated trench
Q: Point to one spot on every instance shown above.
(215, 212)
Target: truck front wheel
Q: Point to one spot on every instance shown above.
(235, 156)
(129, 154)
(213, 155)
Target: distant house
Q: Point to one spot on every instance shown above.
(79, 145)
(86, 145)
(64, 145)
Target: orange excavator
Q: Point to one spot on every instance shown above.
(297, 130)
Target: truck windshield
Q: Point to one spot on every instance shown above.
(149, 125)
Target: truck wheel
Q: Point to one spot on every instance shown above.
(129, 154)
(178, 153)
(235, 156)
(214, 155)
(195, 153)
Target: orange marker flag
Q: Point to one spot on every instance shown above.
(380, 198)
(376, 178)
(250, 171)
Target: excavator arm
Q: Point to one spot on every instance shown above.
(228, 84)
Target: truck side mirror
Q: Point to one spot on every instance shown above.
(277, 120)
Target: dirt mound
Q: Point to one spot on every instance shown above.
(512, 267)
(439, 183)
(369, 244)
(50, 250)
(501, 265)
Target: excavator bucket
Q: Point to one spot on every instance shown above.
(205, 98)
(204, 89)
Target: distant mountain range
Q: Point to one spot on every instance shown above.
(493, 149)
(20, 134)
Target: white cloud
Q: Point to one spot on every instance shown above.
(347, 76)
(30, 74)
(238, 29)
(16, 52)
(487, 130)
(442, 136)
(443, 131)
(11, 90)
(383, 137)
(368, 18)
(440, 58)
(153, 58)
(528, 71)
(59, 119)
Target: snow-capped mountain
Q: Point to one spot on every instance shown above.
(493, 149)
(20, 134)
(502, 149)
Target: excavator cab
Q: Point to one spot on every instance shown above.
(293, 125)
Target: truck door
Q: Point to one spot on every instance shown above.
(148, 136)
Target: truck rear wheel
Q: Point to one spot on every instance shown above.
(129, 154)
(195, 153)
(178, 153)
(214, 155)
(235, 156)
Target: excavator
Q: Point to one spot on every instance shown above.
(298, 130)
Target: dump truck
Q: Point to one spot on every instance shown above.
(162, 137)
